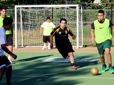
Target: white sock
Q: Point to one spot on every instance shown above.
(44, 44)
(9, 57)
(48, 45)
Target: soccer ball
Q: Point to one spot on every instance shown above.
(94, 71)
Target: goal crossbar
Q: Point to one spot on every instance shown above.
(49, 6)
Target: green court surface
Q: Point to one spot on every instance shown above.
(29, 69)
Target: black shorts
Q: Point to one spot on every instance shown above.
(9, 40)
(46, 38)
(64, 49)
(4, 62)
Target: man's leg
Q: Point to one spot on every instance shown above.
(49, 45)
(44, 40)
(70, 54)
(10, 47)
(102, 59)
(71, 57)
(107, 51)
(49, 42)
(8, 74)
(103, 63)
(2, 70)
(44, 47)
(109, 59)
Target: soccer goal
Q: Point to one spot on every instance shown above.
(28, 19)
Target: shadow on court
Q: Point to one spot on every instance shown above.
(51, 73)
(32, 58)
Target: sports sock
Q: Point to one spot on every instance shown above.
(104, 65)
(44, 44)
(72, 64)
(110, 65)
(9, 57)
(48, 45)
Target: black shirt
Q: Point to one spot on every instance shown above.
(61, 35)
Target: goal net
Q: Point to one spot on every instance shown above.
(28, 19)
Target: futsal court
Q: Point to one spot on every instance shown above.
(47, 67)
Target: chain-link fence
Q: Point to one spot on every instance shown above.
(89, 15)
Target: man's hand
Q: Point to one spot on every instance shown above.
(14, 56)
(93, 40)
(73, 37)
(3, 46)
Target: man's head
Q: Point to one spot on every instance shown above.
(63, 22)
(48, 19)
(3, 10)
(101, 15)
(7, 23)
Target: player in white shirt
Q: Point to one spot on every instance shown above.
(5, 64)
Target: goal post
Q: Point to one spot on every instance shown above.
(28, 19)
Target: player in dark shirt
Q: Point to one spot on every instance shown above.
(62, 42)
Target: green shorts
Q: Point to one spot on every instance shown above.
(101, 47)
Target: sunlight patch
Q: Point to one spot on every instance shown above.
(77, 59)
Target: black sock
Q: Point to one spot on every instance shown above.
(72, 64)
(110, 65)
(104, 65)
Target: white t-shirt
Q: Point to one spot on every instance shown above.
(2, 40)
(47, 23)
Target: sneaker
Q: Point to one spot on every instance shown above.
(49, 48)
(111, 69)
(43, 48)
(103, 69)
(12, 61)
(73, 67)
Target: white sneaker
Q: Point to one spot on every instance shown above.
(49, 48)
(12, 62)
(43, 48)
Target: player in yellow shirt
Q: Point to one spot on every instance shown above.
(101, 35)
(47, 29)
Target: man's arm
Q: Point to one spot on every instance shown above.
(113, 28)
(51, 37)
(92, 33)
(40, 29)
(73, 37)
(71, 33)
(51, 41)
(12, 30)
(92, 36)
(3, 46)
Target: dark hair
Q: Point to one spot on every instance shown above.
(7, 21)
(101, 11)
(2, 7)
(63, 19)
(48, 18)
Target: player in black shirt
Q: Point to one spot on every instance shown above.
(62, 42)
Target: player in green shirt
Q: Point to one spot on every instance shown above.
(101, 35)
(9, 33)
